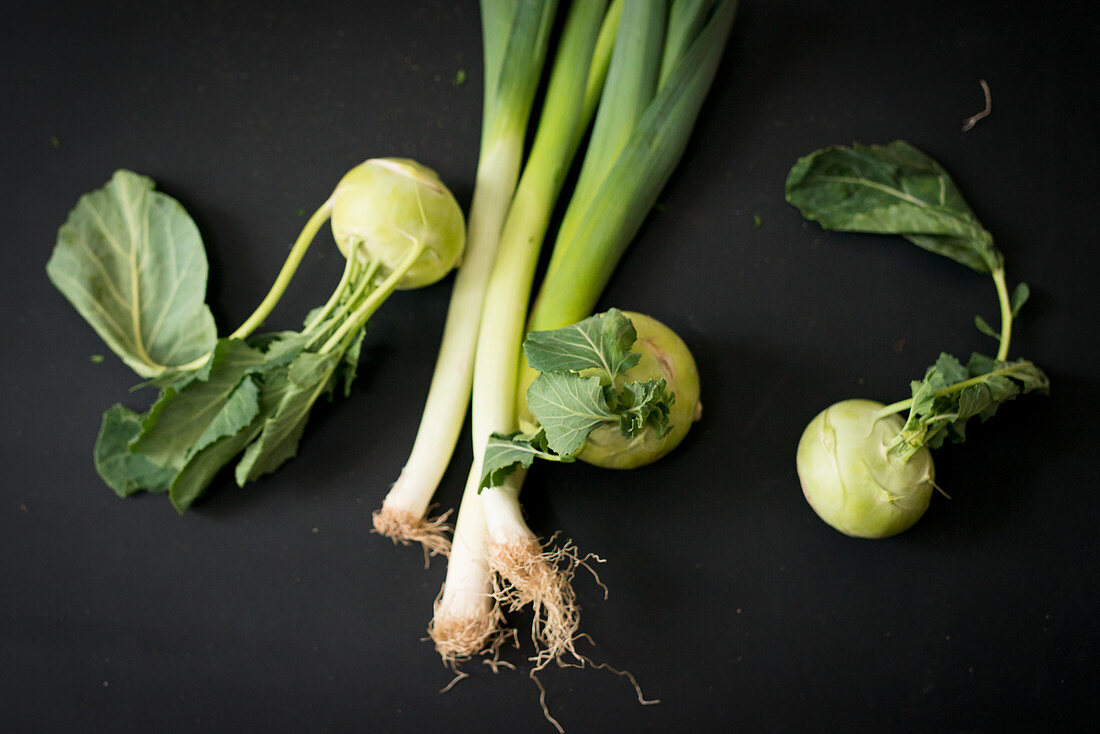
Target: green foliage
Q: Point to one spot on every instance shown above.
(203, 409)
(287, 412)
(504, 453)
(601, 342)
(568, 407)
(255, 397)
(131, 261)
(569, 402)
(1019, 297)
(124, 472)
(891, 189)
(952, 393)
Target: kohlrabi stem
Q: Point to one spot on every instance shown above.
(950, 389)
(359, 316)
(282, 280)
(1006, 313)
(351, 267)
(1002, 352)
(363, 285)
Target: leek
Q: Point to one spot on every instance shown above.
(464, 622)
(512, 71)
(642, 127)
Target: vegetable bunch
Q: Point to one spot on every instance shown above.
(637, 72)
(623, 87)
(864, 470)
(131, 261)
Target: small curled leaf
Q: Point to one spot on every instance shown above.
(984, 327)
(1019, 298)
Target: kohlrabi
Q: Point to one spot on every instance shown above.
(662, 355)
(852, 478)
(389, 205)
(131, 261)
(618, 390)
(864, 470)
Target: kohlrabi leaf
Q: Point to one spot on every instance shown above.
(641, 404)
(984, 327)
(131, 261)
(504, 453)
(600, 342)
(307, 378)
(348, 368)
(279, 348)
(201, 467)
(183, 421)
(569, 402)
(891, 189)
(238, 412)
(952, 393)
(1019, 298)
(568, 407)
(125, 472)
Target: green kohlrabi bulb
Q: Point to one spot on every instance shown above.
(663, 355)
(851, 478)
(388, 204)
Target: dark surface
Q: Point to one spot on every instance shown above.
(272, 609)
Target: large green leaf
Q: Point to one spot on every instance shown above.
(306, 379)
(600, 342)
(569, 407)
(185, 420)
(202, 466)
(891, 189)
(123, 471)
(132, 263)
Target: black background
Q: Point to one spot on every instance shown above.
(273, 609)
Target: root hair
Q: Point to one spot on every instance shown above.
(460, 637)
(401, 526)
(527, 573)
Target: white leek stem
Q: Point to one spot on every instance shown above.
(467, 618)
(449, 394)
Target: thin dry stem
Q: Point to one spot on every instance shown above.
(630, 677)
(542, 701)
(973, 119)
(459, 675)
(401, 526)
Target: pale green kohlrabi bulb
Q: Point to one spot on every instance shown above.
(852, 480)
(389, 203)
(663, 355)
